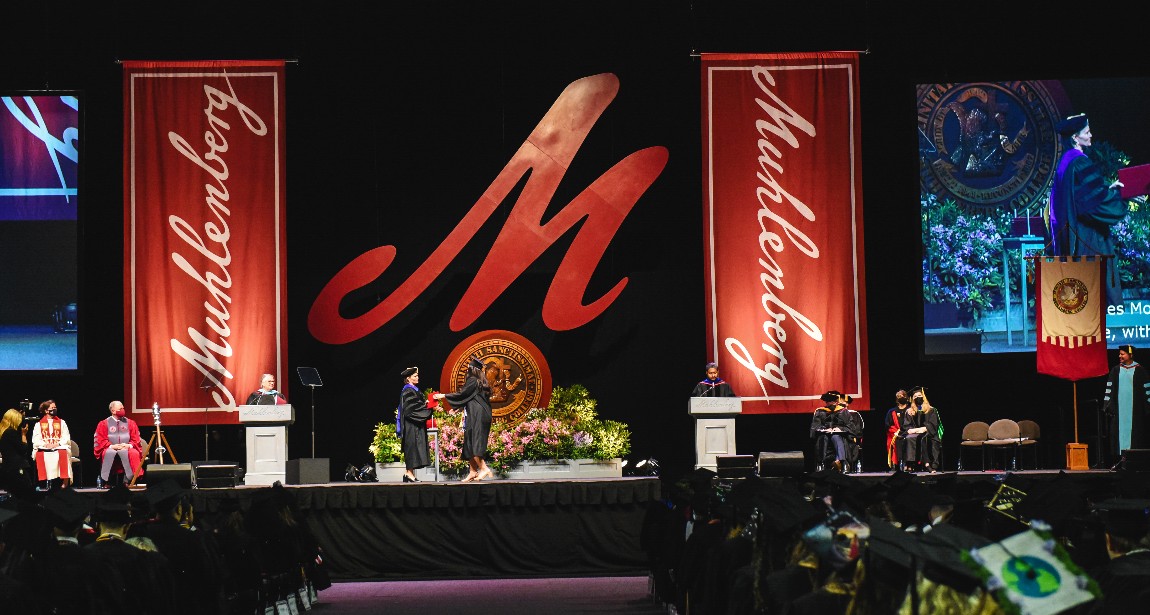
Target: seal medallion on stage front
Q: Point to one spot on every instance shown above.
(516, 370)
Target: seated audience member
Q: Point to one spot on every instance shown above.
(196, 562)
(894, 428)
(712, 385)
(1125, 579)
(150, 586)
(837, 432)
(15, 594)
(921, 434)
(117, 446)
(51, 448)
(66, 576)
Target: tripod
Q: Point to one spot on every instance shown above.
(310, 378)
(159, 440)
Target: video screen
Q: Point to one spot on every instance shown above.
(988, 155)
(40, 136)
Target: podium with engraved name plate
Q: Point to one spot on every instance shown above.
(266, 440)
(714, 428)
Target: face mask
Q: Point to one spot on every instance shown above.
(901, 400)
(119, 413)
(918, 401)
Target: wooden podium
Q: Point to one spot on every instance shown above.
(714, 428)
(266, 440)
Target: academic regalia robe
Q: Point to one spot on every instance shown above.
(414, 413)
(477, 405)
(713, 388)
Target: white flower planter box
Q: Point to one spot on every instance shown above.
(567, 468)
(393, 472)
(528, 470)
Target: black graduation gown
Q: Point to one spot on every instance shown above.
(719, 388)
(1139, 433)
(925, 447)
(414, 412)
(142, 580)
(1125, 584)
(16, 469)
(477, 404)
(196, 561)
(1084, 209)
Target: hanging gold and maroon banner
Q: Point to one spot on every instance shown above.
(1070, 317)
(204, 252)
(783, 228)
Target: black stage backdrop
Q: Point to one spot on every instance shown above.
(399, 115)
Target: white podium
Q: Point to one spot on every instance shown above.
(714, 428)
(266, 441)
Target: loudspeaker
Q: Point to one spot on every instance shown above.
(952, 342)
(308, 471)
(215, 474)
(1137, 459)
(734, 466)
(782, 463)
(155, 473)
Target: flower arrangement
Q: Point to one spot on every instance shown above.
(962, 255)
(568, 428)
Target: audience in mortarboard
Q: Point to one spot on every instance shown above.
(144, 551)
(827, 543)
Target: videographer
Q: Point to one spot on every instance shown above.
(15, 453)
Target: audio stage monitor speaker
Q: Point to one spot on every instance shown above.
(308, 471)
(784, 463)
(735, 466)
(154, 474)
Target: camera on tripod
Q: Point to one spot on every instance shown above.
(26, 409)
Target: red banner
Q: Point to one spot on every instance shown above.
(204, 252)
(783, 228)
(1070, 318)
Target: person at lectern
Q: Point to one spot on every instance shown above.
(411, 425)
(117, 438)
(712, 385)
(266, 395)
(475, 399)
(1083, 205)
(1126, 404)
(51, 448)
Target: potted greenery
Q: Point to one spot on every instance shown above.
(566, 438)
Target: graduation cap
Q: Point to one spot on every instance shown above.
(893, 544)
(67, 508)
(7, 514)
(786, 511)
(407, 373)
(830, 397)
(165, 494)
(1072, 125)
(1125, 518)
(476, 363)
(943, 549)
(114, 506)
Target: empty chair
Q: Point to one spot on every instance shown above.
(1003, 436)
(76, 463)
(974, 435)
(1029, 433)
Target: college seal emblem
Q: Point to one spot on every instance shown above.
(516, 370)
(1070, 295)
(988, 145)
